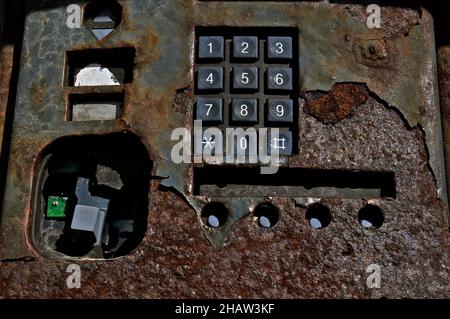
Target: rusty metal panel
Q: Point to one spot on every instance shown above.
(5, 69)
(368, 102)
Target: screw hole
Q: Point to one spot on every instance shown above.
(318, 215)
(267, 215)
(371, 216)
(214, 214)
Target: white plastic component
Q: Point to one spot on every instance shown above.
(89, 222)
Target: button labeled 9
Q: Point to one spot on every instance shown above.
(280, 111)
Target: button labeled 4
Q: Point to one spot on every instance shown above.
(210, 78)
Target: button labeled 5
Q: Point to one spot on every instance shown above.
(245, 78)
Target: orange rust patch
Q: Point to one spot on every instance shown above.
(341, 102)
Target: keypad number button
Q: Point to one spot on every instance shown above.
(210, 110)
(210, 78)
(244, 111)
(211, 47)
(245, 78)
(279, 79)
(279, 48)
(245, 47)
(280, 111)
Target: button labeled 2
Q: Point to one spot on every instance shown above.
(245, 47)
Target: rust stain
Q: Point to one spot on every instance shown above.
(396, 21)
(6, 61)
(340, 103)
(372, 53)
(182, 102)
(149, 52)
(38, 91)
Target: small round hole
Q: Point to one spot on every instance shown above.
(318, 215)
(214, 215)
(267, 215)
(371, 216)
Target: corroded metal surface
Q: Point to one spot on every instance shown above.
(395, 127)
(6, 58)
(341, 103)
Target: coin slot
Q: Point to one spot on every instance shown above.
(293, 182)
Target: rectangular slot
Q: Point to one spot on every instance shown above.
(100, 67)
(95, 107)
(292, 182)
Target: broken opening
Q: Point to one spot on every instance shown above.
(91, 196)
(95, 107)
(214, 214)
(267, 215)
(100, 67)
(292, 182)
(371, 216)
(318, 215)
(102, 17)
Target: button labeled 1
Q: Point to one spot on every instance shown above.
(211, 47)
(210, 78)
(244, 110)
(279, 79)
(245, 47)
(209, 110)
(279, 48)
